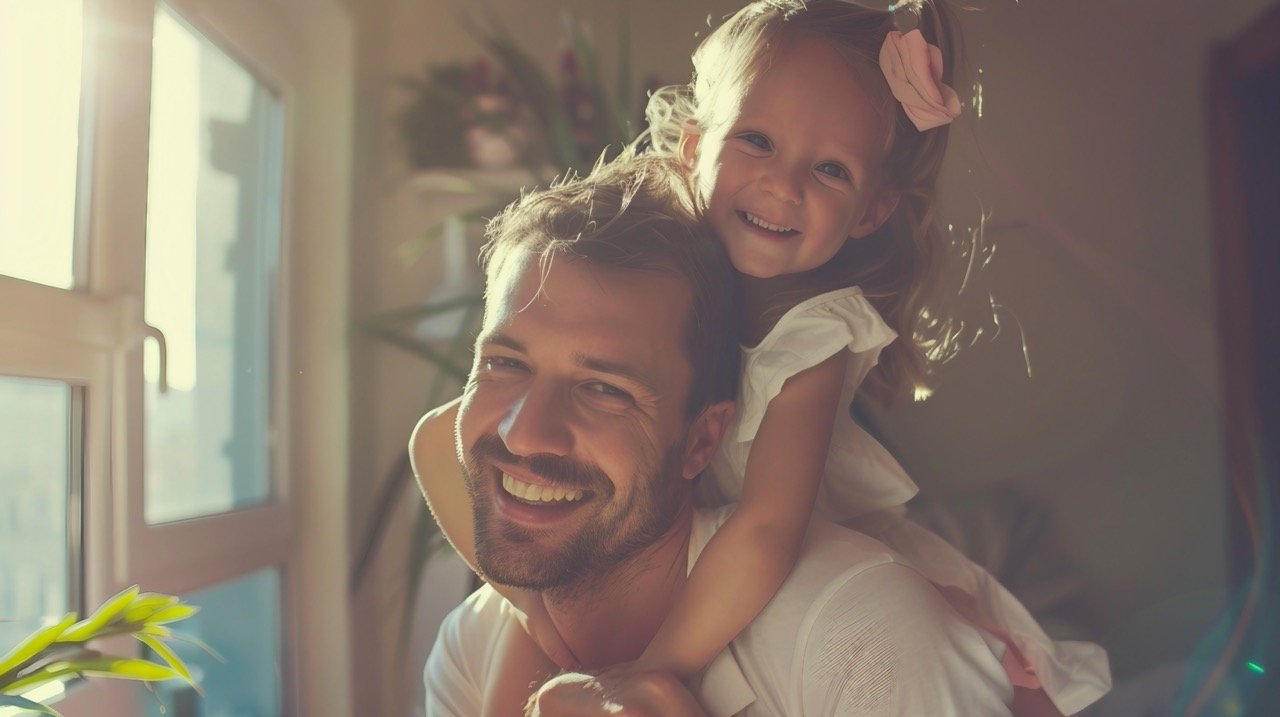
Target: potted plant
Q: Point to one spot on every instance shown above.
(61, 651)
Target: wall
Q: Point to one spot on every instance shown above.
(1089, 158)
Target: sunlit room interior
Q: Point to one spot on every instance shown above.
(238, 247)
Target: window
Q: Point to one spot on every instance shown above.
(213, 229)
(39, 138)
(40, 560)
(154, 342)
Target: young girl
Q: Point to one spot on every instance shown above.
(814, 132)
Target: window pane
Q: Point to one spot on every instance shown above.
(35, 482)
(40, 44)
(241, 622)
(213, 227)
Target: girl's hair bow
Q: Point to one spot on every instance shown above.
(913, 67)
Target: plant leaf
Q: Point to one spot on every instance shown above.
(605, 120)
(536, 88)
(206, 647)
(109, 610)
(173, 613)
(626, 110)
(146, 605)
(35, 642)
(155, 631)
(45, 674)
(169, 656)
(26, 704)
(116, 667)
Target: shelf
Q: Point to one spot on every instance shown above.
(476, 181)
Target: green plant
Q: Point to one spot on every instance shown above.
(61, 652)
(432, 125)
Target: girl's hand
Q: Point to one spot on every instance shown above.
(537, 622)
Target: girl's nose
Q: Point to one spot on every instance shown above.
(536, 424)
(784, 183)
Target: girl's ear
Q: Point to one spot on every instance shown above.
(690, 134)
(703, 438)
(878, 212)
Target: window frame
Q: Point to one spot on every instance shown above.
(91, 335)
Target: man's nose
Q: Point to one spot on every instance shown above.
(538, 423)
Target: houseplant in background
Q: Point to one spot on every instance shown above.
(554, 123)
(60, 652)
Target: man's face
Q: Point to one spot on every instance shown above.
(572, 430)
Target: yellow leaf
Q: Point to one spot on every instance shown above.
(110, 609)
(34, 643)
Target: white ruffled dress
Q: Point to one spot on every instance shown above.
(864, 487)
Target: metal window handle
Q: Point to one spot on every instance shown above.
(151, 332)
(133, 330)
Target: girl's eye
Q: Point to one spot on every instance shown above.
(757, 140)
(832, 169)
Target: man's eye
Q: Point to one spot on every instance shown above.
(607, 391)
(500, 363)
(834, 170)
(757, 140)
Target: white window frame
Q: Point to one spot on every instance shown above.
(91, 338)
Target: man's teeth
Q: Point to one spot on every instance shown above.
(538, 493)
(765, 225)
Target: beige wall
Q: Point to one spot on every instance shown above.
(1093, 135)
(1089, 158)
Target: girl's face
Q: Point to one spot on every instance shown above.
(797, 172)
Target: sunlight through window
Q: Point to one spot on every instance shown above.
(40, 55)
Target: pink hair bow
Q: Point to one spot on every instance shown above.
(913, 68)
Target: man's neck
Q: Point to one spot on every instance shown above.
(610, 618)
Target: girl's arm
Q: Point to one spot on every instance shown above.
(753, 552)
(435, 463)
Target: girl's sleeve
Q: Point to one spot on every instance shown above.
(861, 476)
(808, 334)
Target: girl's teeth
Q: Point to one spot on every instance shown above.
(765, 225)
(538, 493)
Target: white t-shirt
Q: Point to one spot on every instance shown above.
(852, 631)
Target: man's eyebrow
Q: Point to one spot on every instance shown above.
(500, 339)
(615, 368)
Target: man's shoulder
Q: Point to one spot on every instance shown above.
(468, 638)
(483, 612)
(840, 575)
(830, 556)
(848, 627)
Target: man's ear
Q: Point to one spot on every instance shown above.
(877, 213)
(703, 437)
(690, 135)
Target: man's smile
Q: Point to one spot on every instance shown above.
(535, 494)
(534, 504)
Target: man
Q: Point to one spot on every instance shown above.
(603, 381)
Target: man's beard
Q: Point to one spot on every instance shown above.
(510, 555)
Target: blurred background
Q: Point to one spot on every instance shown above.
(289, 193)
